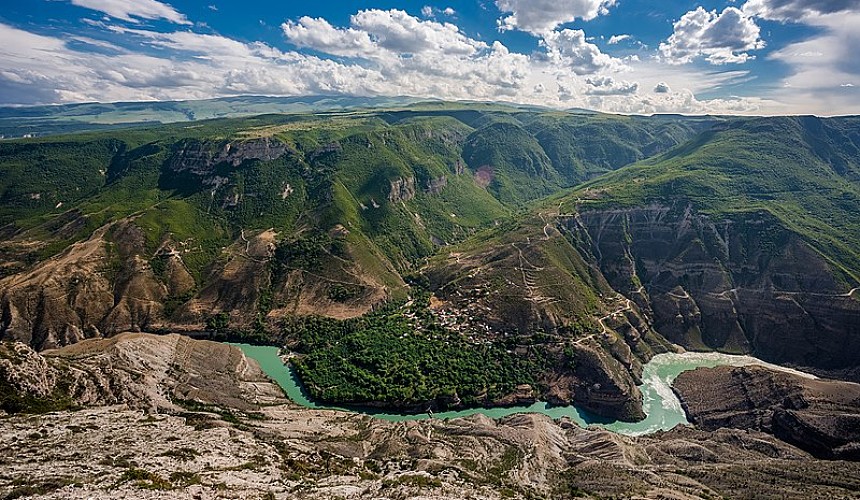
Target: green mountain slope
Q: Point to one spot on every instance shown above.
(743, 239)
(803, 171)
(424, 232)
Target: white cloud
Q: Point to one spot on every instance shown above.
(615, 39)
(134, 10)
(821, 63)
(569, 49)
(662, 88)
(397, 31)
(318, 34)
(199, 66)
(797, 10)
(428, 11)
(721, 38)
(380, 33)
(378, 53)
(684, 102)
(606, 85)
(419, 57)
(540, 16)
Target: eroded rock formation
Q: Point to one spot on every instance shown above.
(820, 416)
(742, 284)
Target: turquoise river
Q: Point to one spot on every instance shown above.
(661, 405)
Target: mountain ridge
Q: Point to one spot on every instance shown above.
(438, 221)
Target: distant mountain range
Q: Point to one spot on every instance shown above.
(38, 121)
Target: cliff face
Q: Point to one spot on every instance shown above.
(540, 291)
(742, 284)
(820, 416)
(401, 189)
(195, 165)
(199, 157)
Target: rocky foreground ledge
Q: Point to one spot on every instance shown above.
(140, 416)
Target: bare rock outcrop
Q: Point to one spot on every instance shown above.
(436, 185)
(530, 283)
(199, 157)
(235, 287)
(139, 370)
(820, 416)
(255, 444)
(80, 294)
(401, 189)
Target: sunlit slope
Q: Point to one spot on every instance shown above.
(805, 171)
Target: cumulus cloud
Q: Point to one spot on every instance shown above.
(606, 85)
(377, 53)
(428, 11)
(418, 57)
(541, 16)
(134, 10)
(570, 49)
(684, 102)
(200, 66)
(797, 10)
(397, 31)
(662, 88)
(615, 39)
(318, 34)
(721, 38)
(381, 32)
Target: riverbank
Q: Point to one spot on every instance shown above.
(662, 407)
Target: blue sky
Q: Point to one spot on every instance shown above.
(627, 56)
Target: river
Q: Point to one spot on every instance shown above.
(661, 405)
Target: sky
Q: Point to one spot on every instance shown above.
(624, 56)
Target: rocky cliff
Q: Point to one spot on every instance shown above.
(199, 157)
(538, 289)
(92, 288)
(741, 284)
(820, 416)
(401, 189)
(278, 217)
(138, 370)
